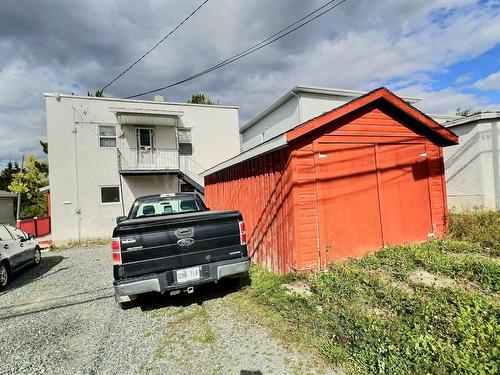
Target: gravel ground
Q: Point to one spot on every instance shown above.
(61, 318)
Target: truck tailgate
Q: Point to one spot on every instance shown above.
(164, 243)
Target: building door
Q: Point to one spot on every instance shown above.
(370, 195)
(404, 193)
(347, 200)
(145, 157)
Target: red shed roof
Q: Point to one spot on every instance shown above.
(446, 136)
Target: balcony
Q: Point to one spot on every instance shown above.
(133, 161)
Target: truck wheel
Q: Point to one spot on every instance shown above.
(37, 257)
(4, 275)
(126, 305)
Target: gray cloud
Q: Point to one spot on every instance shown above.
(70, 46)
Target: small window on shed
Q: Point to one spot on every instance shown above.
(185, 144)
(110, 194)
(107, 136)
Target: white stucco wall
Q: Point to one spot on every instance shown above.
(78, 167)
(276, 122)
(472, 167)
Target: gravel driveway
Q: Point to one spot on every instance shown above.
(61, 318)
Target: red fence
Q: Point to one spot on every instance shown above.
(39, 226)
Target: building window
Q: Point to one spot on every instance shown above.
(107, 136)
(185, 145)
(110, 194)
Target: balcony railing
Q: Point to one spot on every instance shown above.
(133, 159)
(160, 159)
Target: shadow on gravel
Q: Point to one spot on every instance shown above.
(202, 293)
(31, 273)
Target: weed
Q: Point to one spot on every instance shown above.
(363, 316)
(479, 227)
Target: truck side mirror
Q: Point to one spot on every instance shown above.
(31, 236)
(119, 219)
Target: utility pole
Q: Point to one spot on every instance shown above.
(18, 213)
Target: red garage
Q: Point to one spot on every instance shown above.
(366, 174)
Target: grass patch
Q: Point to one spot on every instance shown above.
(365, 316)
(86, 243)
(481, 228)
(207, 336)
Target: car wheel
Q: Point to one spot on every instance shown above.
(37, 257)
(4, 275)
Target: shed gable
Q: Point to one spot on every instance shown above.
(374, 120)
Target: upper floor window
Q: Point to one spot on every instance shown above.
(185, 144)
(107, 136)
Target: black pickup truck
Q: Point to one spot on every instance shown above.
(172, 242)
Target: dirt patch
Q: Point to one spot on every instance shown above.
(422, 277)
(298, 288)
(387, 277)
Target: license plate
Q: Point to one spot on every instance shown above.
(188, 274)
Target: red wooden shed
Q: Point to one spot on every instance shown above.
(367, 174)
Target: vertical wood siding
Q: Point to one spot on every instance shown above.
(261, 189)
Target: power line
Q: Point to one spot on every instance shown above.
(156, 45)
(271, 39)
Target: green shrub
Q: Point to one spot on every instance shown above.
(482, 228)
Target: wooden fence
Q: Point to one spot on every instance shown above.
(39, 226)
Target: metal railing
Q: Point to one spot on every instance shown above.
(191, 168)
(154, 159)
(133, 159)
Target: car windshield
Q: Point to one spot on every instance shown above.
(166, 205)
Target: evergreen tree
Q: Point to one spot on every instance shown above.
(199, 98)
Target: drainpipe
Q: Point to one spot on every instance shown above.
(496, 163)
(77, 209)
(18, 213)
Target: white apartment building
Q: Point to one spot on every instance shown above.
(473, 166)
(297, 106)
(106, 152)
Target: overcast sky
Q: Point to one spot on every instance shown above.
(445, 51)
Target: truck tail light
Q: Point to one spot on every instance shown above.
(116, 249)
(243, 233)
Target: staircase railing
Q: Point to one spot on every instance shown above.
(191, 168)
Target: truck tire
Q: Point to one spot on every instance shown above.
(126, 305)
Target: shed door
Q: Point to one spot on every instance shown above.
(370, 195)
(404, 193)
(348, 206)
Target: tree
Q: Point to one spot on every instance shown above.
(28, 183)
(45, 146)
(199, 98)
(7, 175)
(97, 94)
(469, 111)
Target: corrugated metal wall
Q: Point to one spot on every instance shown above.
(261, 189)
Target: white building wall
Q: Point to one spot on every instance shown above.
(298, 109)
(472, 167)
(313, 105)
(275, 123)
(78, 167)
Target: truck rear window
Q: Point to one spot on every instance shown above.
(166, 205)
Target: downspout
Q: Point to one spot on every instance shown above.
(496, 163)
(77, 209)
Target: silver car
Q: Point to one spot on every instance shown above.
(17, 250)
